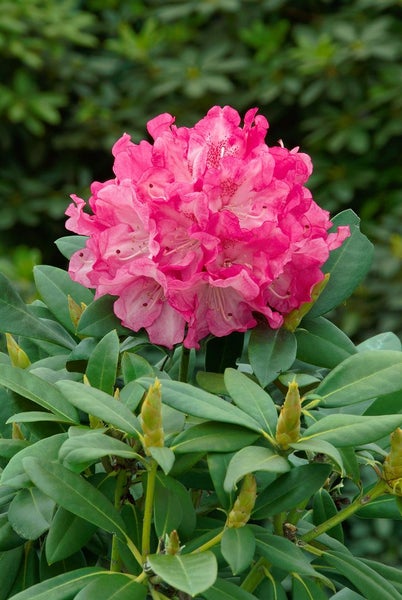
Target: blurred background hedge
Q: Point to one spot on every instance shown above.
(77, 74)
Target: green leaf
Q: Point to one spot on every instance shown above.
(217, 465)
(381, 341)
(38, 390)
(70, 244)
(30, 513)
(252, 399)
(384, 507)
(321, 343)
(289, 489)
(305, 589)
(189, 573)
(323, 509)
(211, 382)
(361, 377)
(213, 437)
(168, 513)
(391, 574)
(98, 319)
(319, 447)
(251, 459)
(102, 364)
(114, 586)
(54, 286)
(10, 562)
(223, 589)
(181, 514)
(164, 457)
(238, 547)
(285, 555)
(134, 366)
(61, 587)
(67, 534)
(28, 571)
(10, 447)
(223, 352)
(80, 451)
(370, 583)
(352, 430)
(75, 494)
(347, 265)
(97, 403)
(35, 416)
(9, 538)
(270, 352)
(47, 449)
(193, 401)
(15, 318)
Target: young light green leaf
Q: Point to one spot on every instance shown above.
(189, 573)
(75, 494)
(270, 352)
(55, 285)
(251, 459)
(198, 403)
(38, 390)
(102, 364)
(238, 547)
(352, 430)
(102, 405)
(213, 437)
(252, 399)
(365, 579)
(361, 377)
(15, 318)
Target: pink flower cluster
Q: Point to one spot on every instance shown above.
(203, 230)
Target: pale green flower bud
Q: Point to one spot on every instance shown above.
(392, 468)
(18, 357)
(244, 503)
(288, 426)
(151, 418)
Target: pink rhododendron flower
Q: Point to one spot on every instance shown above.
(203, 230)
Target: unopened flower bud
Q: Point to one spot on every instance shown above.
(244, 503)
(75, 310)
(392, 468)
(172, 543)
(151, 418)
(18, 357)
(288, 427)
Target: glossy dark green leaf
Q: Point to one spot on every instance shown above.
(217, 465)
(291, 488)
(30, 513)
(361, 377)
(134, 366)
(67, 534)
(114, 586)
(223, 352)
(384, 507)
(352, 430)
(270, 352)
(98, 319)
(182, 505)
(10, 447)
(190, 573)
(347, 265)
(10, 562)
(306, 589)
(102, 364)
(213, 437)
(54, 286)
(252, 399)
(321, 343)
(364, 578)
(28, 572)
(391, 574)
(168, 513)
(323, 509)
(198, 403)
(38, 390)
(102, 405)
(251, 459)
(75, 494)
(15, 318)
(223, 589)
(9, 538)
(238, 547)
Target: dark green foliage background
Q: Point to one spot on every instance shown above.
(75, 75)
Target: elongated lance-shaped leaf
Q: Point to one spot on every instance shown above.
(198, 403)
(61, 587)
(38, 390)
(252, 399)
(116, 586)
(270, 352)
(101, 405)
(75, 494)
(102, 364)
(88, 448)
(15, 318)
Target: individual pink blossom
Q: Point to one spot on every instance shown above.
(204, 230)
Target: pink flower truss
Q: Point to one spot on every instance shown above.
(203, 230)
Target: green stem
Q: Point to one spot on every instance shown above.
(212, 542)
(184, 363)
(278, 522)
(121, 482)
(256, 575)
(347, 512)
(148, 509)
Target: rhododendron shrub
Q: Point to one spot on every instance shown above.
(203, 230)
